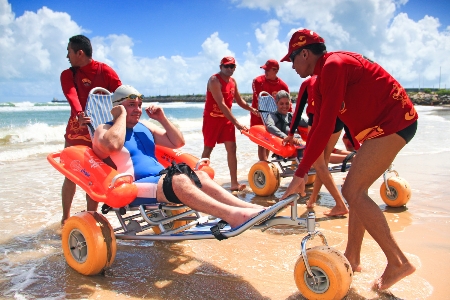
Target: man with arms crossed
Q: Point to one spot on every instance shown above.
(379, 115)
(218, 121)
(130, 144)
(76, 82)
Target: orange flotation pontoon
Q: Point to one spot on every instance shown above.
(104, 184)
(97, 179)
(259, 135)
(166, 155)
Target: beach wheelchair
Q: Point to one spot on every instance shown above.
(264, 176)
(89, 240)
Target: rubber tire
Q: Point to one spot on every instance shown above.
(311, 179)
(88, 242)
(264, 178)
(329, 263)
(401, 192)
(174, 224)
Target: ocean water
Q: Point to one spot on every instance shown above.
(31, 261)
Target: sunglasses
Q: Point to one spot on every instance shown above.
(132, 97)
(294, 54)
(229, 66)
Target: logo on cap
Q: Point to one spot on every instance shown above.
(301, 41)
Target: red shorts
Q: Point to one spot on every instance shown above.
(76, 134)
(217, 130)
(255, 120)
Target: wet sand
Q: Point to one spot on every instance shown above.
(254, 265)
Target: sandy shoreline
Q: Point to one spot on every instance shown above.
(259, 265)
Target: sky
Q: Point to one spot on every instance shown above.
(172, 47)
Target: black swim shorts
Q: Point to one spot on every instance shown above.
(337, 126)
(408, 133)
(171, 170)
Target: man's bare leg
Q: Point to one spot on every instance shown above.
(316, 190)
(263, 153)
(316, 187)
(198, 200)
(338, 158)
(232, 165)
(207, 152)
(324, 176)
(356, 235)
(374, 157)
(91, 204)
(67, 193)
(340, 208)
(211, 188)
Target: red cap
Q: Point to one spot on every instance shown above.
(228, 60)
(271, 64)
(300, 39)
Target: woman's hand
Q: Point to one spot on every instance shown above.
(298, 142)
(289, 139)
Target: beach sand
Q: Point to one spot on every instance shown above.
(255, 265)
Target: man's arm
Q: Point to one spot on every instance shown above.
(168, 136)
(111, 138)
(240, 101)
(215, 89)
(113, 79)
(70, 92)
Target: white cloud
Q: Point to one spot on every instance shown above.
(33, 48)
(409, 50)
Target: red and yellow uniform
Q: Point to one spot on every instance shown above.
(305, 95)
(216, 127)
(76, 87)
(369, 101)
(261, 83)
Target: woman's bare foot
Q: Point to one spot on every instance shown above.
(238, 188)
(393, 274)
(311, 202)
(336, 211)
(355, 264)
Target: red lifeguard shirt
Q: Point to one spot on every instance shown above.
(76, 88)
(305, 95)
(369, 101)
(259, 84)
(228, 89)
(94, 74)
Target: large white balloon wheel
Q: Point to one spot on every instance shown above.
(394, 191)
(322, 272)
